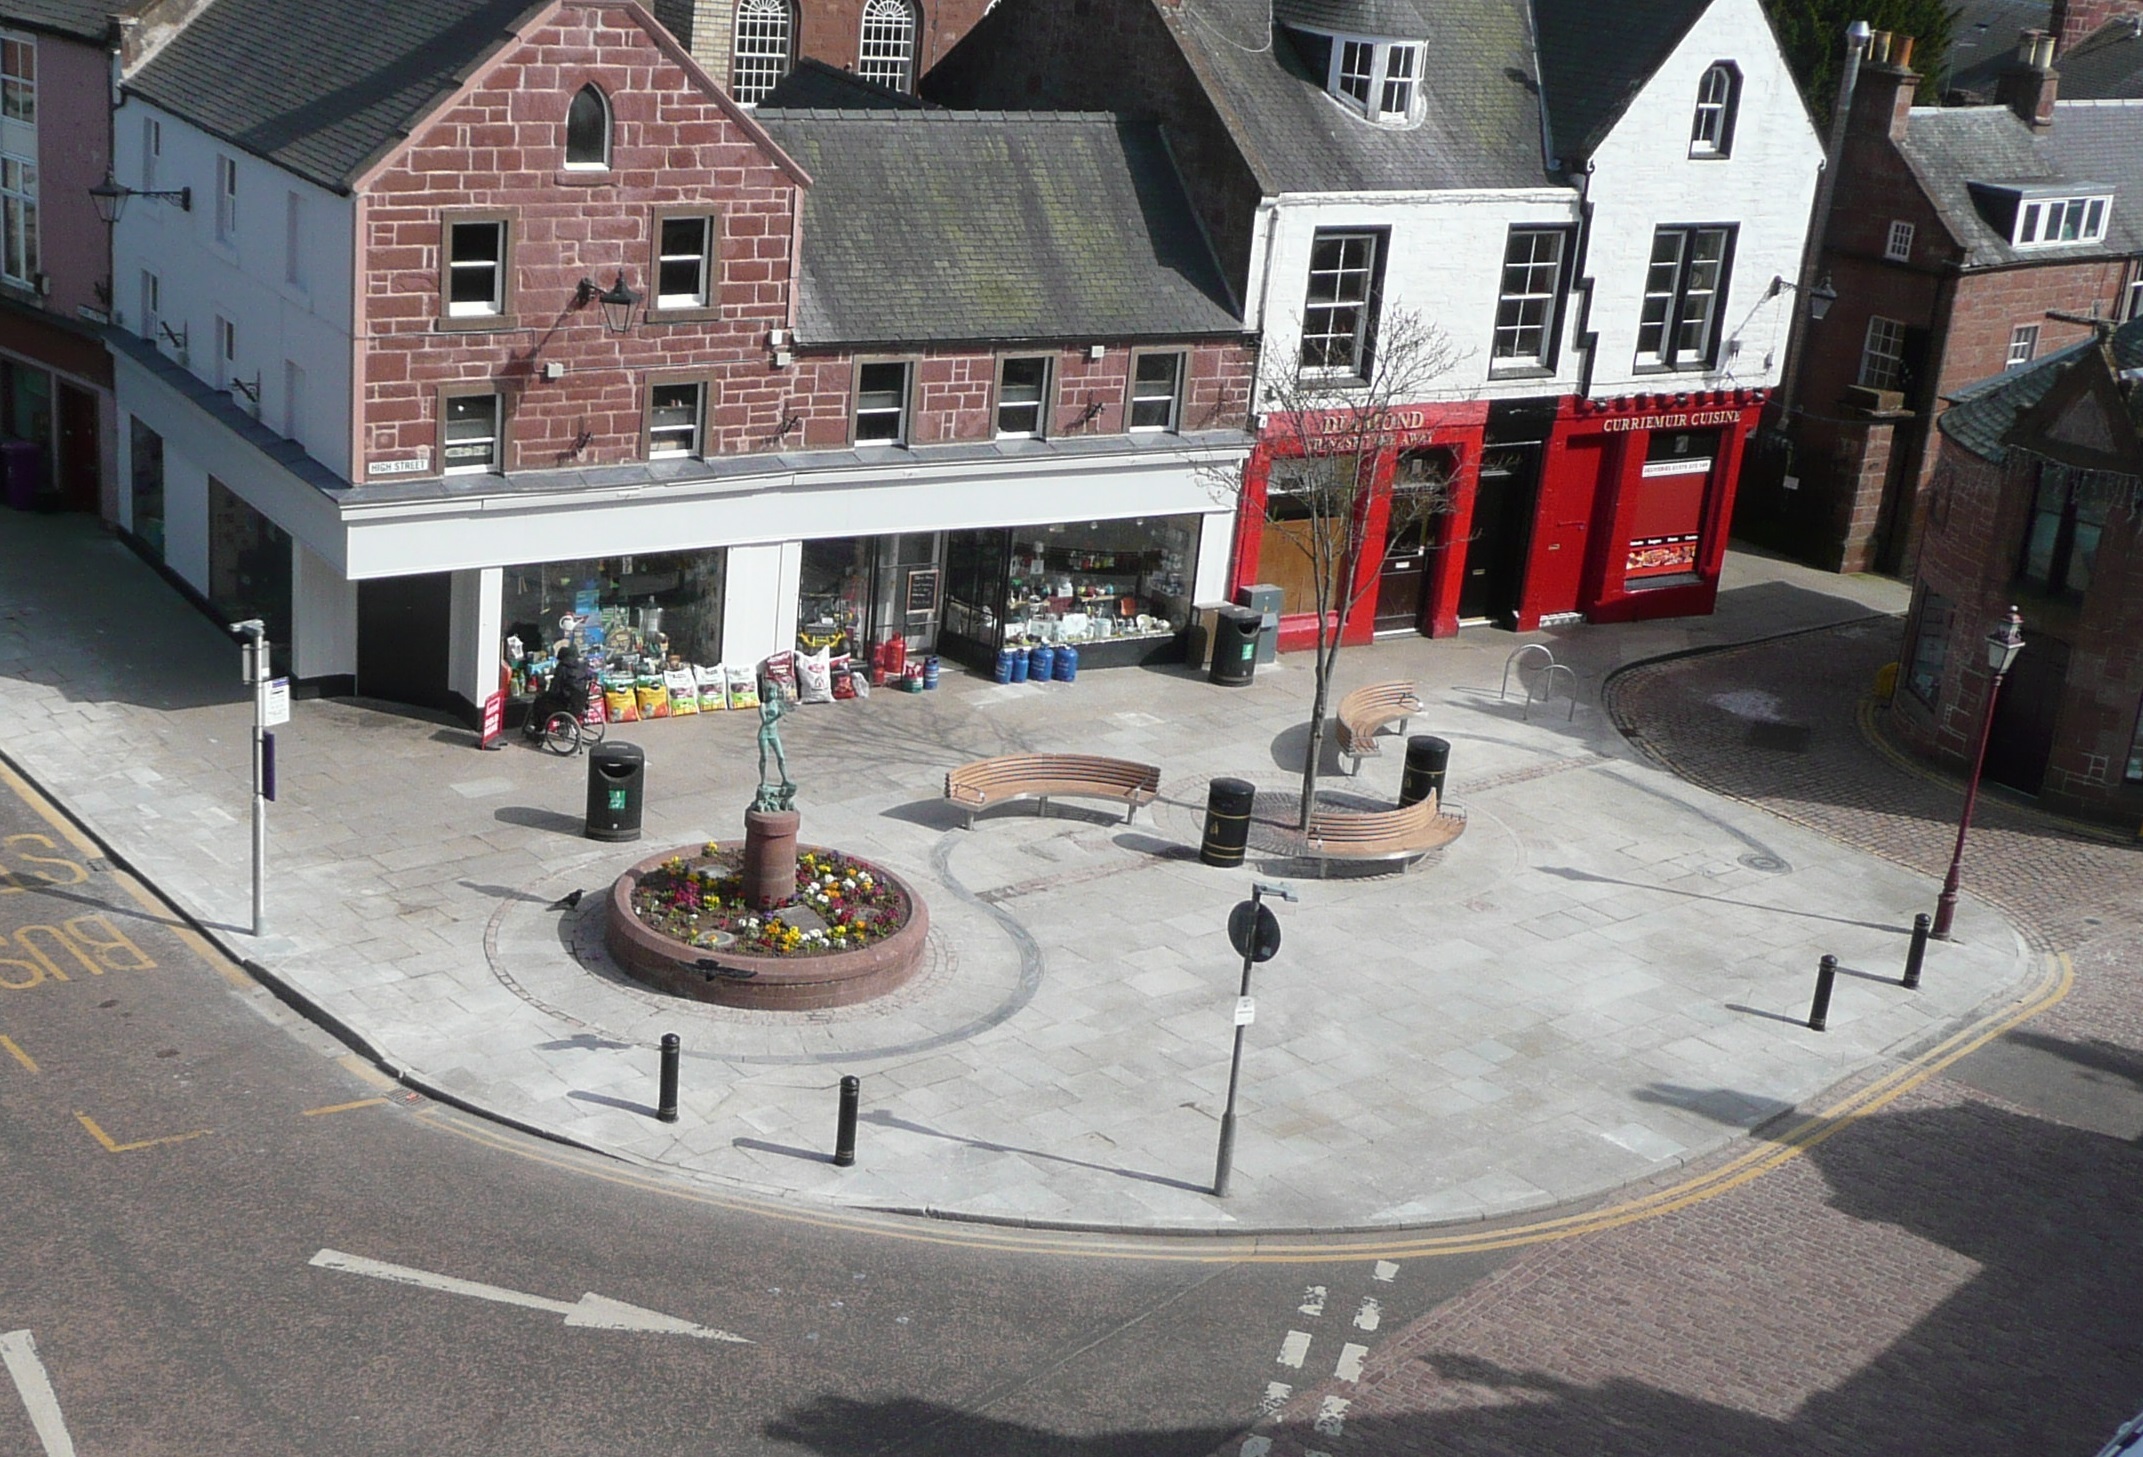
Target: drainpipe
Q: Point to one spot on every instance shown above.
(1856, 45)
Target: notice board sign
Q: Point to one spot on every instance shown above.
(922, 597)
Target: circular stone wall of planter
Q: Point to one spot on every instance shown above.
(768, 983)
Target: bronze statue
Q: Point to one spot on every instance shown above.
(773, 797)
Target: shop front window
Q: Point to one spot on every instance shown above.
(1103, 581)
(146, 449)
(1668, 526)
(633, 616)
(248, 563)
(834, 591)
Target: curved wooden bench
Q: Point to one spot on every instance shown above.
(1366, 712)
(986, 782)
(1394, 834)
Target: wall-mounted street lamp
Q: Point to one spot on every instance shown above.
(1820, 296)
(110, 198)
(618, 302)
(2003, 645)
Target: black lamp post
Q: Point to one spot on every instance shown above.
(2003, 645)
(110, 198)
(618, 302)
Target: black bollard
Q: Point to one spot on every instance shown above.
(666, 1107)
(1920, 927)
(844, 1136)
(1826, 973)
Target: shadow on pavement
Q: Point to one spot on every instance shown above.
(2026, 1345)
(888, 1120)
(531, 818)
(1568, 872)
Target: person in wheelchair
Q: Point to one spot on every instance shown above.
(566, 692)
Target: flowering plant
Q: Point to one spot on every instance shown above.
(839, 905)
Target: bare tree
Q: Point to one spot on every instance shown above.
(1334, 436)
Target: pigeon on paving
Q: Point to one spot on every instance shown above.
(567, 901)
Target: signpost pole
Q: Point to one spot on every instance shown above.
(1257, 936)
(256, 672)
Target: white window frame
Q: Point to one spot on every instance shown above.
(2043, 222)
(293, 399)
(1711, 128)
(1146, 393)
(1321, 316)
(18, 86)
(2135, 298)
(701, 261)
(493, 305)
(1882, 354)
(21, 263)
(1039, 404)
(496, 439)
(226, 352)
(899, 413)
(152, 301)
(227, 199)
(762, 49)
(885, 44)
(1897, 247)
(677, 441)
(2023, 345)
(602, 163)
(294, 238)
(152, 151)
(1671, 303)
(1377, 79)
(1527, 303)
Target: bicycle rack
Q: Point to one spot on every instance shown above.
(1548, 669)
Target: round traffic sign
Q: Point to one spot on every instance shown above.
(1254, 931)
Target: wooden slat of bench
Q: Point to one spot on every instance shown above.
(987, 782)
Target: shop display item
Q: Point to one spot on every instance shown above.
(930, 672)
(1066, 667)
(1041, 662)
(684, 691)
(780, 668)
(713, 688)
(652, 698)
(814, 677)
(620, 703)
(743, 686)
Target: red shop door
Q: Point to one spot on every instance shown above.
(1568, 497)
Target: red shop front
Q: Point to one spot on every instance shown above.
(1404, 581)
(1636, 494)
(1607, 510)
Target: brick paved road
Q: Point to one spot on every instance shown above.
(1958, 1273)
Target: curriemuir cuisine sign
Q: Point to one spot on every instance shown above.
(1670, 422)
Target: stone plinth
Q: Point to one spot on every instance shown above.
(770, 857)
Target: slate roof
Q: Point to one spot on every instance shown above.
(1981, 413)
(322, 86)
(1984, 42)
(1950, 147)
(814, 85)
(2102, 141)
(1595, 58)
(1386, 19)
(89, 20)
(2105, 64)
(1482, 122)
(974, 226)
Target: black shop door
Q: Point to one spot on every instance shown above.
(1502, 528)
(2022, 739)
(402, 628)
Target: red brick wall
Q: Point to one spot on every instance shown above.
(502, 147)
(2075, 19)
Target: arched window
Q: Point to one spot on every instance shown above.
(886, 53)
(588, 129)
(762, 48)
(1711, 133)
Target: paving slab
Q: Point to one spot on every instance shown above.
(1606, 975)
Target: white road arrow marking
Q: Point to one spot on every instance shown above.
(596, 1312)
(19, 1351)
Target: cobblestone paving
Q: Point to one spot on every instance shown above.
(1957, 1273)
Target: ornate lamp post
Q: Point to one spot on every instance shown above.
(2003, 645)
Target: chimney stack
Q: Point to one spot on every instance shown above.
(1882, 102)
(2027, 87)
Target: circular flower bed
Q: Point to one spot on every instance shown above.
(840, 905)
(679, 922)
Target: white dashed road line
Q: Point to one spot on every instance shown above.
(1385, 1271)
(18, 1350)
(1332, 1416)
(1370, 1316)
(1350, 1362)
(1312, 1300)
(1294, 1349)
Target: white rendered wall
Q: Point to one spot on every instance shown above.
(752, 602)
(1645, 177)
(323, 610)
(1444, 263)
(201, 277)
(1216, 545)
(475, 634)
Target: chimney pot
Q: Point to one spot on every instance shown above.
(1879, 50)
(1901, 52)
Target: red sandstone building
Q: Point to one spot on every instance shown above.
(560, 330)
(1963, 241)
(2037, 500)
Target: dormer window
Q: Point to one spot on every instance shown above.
(1376, 78)
(2047, 214)
(588, 130)
(1711, 133)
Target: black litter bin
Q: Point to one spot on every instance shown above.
(617, 779)
(1235, 646)
(1427, 757)
(1227, 820)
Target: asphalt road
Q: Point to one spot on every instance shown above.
(177, 1149)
